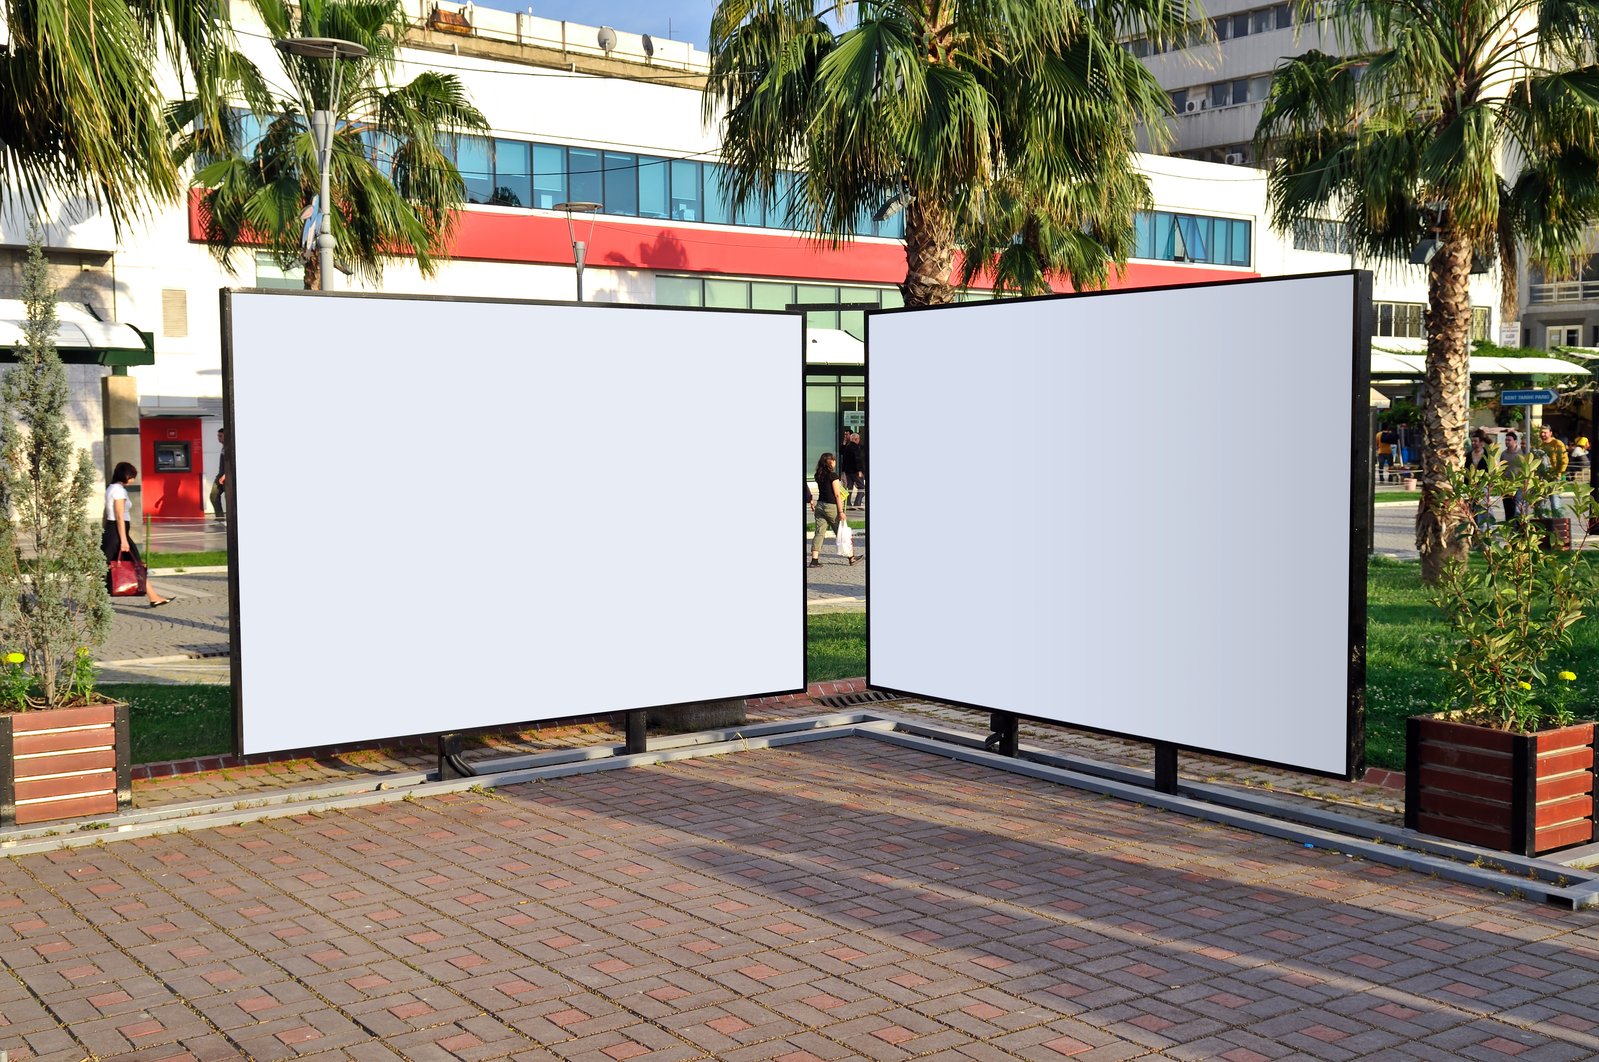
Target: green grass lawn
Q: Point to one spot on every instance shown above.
(1406, 641)
(175, 722)
(835, 646)
(208, 558)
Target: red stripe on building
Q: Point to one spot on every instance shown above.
(626, 243)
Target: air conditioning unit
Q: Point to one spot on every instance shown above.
(1191, 107)
(1234, 158)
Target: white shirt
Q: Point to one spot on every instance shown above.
(112, 493)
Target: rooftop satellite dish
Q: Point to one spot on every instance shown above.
(607, 38)
(649, 46)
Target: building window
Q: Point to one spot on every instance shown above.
(549, 176)
(827, 299)
(525, 175)
(1168, 237)
(1408, 320)
(174, 312)
(474, 158)
(513, 174)
(268, 274)
(679, 291)
(621, 183)
(652, 188)
(585, 176)
(1402, 320)
(716, 210)
(727, 294)
(685, 190)
(1319, 234)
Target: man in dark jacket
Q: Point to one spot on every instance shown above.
(850, 463)
(218, 485)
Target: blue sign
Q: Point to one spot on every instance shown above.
(1540, 397)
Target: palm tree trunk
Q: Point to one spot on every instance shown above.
(1444, 407)
(929, 253)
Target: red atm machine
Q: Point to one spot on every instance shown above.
(172, 468)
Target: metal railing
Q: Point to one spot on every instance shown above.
(1564, 291)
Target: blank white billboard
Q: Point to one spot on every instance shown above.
(533, 511)
(1140, 512)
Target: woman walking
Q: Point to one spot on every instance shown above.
(828, 507)
(116, 540)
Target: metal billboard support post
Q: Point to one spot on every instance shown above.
(1006, 736)
(451, 765)
(637, 742)
(1165, 767)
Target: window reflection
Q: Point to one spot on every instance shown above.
(521, 174)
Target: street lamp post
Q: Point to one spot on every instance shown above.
(324, 121)
(580, 248)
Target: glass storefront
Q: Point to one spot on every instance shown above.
(834, 403)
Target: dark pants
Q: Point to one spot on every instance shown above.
(1512, 506)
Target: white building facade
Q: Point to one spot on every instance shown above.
(622, 127)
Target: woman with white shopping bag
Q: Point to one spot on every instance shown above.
(829, 510)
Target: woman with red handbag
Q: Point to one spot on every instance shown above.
(116, 540)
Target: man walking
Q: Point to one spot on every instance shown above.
(1511, 454)
(1554, 459)
(218, 493)
(851, 465)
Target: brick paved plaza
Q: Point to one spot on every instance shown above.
(837, 900)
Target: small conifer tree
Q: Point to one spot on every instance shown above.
(53, 600)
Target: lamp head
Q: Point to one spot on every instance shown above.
(320, 48)
(1423, 252)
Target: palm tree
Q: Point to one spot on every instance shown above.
(395, 189)
(1473, 124)
(1006, 126)
(81, 113)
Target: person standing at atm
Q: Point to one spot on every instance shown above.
(218, 494)
(116, 538)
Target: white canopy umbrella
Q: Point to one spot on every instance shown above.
(1411, 366)
(833, 346)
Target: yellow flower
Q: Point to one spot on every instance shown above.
(14, 658)
(1525, 685)
(1568, 676)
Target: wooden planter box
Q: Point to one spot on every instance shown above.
(64, 763)
(1522, 793)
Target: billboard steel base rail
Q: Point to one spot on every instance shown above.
(1542, 879)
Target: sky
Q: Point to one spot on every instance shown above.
(678, 20)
